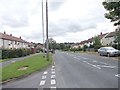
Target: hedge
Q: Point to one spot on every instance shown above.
(14, 53)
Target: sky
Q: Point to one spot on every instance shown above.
(69, 20)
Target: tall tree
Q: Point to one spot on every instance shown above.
(97, 43)
(113, 9)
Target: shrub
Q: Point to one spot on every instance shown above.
(13, 53)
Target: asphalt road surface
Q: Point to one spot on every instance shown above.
(73, 70)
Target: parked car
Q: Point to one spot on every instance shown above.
(108, 51)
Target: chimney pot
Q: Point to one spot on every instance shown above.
(4, 32)
(20, 37)
(10, 34)
(101, 33)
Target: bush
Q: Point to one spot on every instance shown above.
(14, 53)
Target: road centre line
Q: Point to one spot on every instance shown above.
(92, 65)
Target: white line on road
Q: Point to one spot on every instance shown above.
(117, 75)
(53, 82)
(53, 66)
(52, 87)
(53, 72)
(106, 66)
(43, 77)
(42, 83)
(92, 65)
(52, 76)
(45, 72)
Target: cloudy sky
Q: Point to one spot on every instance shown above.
(69, 20)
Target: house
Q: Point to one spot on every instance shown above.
(11, 42)
(108, 39)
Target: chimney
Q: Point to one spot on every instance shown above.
(20, 37)
(4, 32)
(10, 34)
(101, 33)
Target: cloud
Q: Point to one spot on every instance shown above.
(69, 20)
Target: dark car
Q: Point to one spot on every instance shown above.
(108, 51)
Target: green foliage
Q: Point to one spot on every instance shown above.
(14, 53)
(33, 63)
(97, 43)
(114, 11)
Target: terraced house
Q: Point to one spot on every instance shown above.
(11, 42)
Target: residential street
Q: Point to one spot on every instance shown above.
(73, 70)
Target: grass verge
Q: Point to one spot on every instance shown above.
(33, 64)
(3, 60)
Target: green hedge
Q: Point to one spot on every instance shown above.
(14, 53)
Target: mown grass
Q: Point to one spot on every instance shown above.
(34, 63)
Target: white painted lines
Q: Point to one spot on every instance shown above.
(52, 76)
(52, 87)
(43, 77)
(53, 72)
(42, 83)
(117, 75)
(45, 72)
(53, 66)
(53, 82)
(92, 65)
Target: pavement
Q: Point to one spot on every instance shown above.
(73, 70)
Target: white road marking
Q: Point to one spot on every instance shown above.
(52, 76)
(53, 66)
(42, 83)
(53, 82)
(43, 77)
(53, 72)
(52, 87)
(106, 66)
(92, 65)
(45, 72)
(117, 75)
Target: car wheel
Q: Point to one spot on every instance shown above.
(108, 54)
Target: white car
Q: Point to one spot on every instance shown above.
(108, 51)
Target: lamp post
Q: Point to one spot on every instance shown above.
(47, 42)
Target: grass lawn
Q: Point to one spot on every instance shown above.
(24, 67)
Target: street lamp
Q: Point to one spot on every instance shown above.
(47, 42)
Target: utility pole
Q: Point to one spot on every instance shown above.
(47, 42)
(43, 29)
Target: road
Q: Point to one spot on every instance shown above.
(73, 70)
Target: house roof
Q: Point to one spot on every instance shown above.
(10, 37)
(111, 34)
(102, 35)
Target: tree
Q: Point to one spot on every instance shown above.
(114, 11)
(117, 38)
(97, 43)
